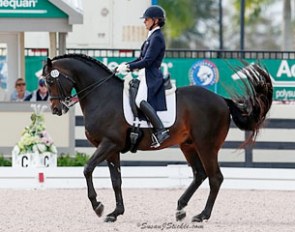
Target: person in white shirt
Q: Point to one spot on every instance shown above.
(40, 94)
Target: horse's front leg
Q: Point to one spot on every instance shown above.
(104, 150)
(115, 172)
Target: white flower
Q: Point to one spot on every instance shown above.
(15, 150)
(41, 147)
(53, 149)
(35, 148)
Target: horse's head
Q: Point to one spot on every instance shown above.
(59, 85)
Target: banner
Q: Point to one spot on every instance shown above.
(29, 9)
(217, 75)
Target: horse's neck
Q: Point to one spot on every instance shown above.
(109, 93)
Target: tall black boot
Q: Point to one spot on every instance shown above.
(161, 133)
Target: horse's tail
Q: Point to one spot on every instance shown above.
(249, 112)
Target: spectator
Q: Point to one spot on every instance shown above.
(20, 92)
(40, 94)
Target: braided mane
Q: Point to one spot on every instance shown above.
(84, 58)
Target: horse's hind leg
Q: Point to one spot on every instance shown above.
(210, 164)
(199, 176)
(114, 167)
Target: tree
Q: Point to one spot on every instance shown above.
(254, 16)
(188, 21)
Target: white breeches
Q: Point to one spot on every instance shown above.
(142, 89)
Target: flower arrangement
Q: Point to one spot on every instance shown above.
(35, 138)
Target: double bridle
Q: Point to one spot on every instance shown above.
(70, 100)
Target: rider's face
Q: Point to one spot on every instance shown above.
(148, 23)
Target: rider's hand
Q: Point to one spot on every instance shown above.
(122, 68)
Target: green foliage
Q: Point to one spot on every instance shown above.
(5, 162)
(180, 17)
(253, 9)
(187, 20)
(65, 160)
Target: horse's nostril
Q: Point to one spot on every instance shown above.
(55, 110)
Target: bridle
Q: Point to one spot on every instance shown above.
(70, 100)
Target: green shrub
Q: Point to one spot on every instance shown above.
(5, 162)
(65, 160)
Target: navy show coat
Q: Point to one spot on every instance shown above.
(151, 56)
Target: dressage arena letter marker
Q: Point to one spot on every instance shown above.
(25, 164)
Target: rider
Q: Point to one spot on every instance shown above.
(151, 93)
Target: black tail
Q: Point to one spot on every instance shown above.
(249, 112)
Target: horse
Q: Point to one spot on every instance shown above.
(202, 123)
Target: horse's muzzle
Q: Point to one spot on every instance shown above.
(56, 107)
(56, 110)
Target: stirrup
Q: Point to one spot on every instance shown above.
(155, 141)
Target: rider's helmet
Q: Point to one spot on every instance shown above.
(155, 12)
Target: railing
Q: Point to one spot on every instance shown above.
(175, 53)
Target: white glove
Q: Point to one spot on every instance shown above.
(123, 68)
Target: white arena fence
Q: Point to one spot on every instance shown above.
(171, 176)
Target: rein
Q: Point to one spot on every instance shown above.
(67, 101)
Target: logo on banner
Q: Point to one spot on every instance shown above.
(204, 73)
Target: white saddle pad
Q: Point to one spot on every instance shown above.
(167, 117)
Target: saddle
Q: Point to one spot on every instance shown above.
(135, 132)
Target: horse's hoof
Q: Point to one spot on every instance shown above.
(180, 214)
(110, 218)
(199, 218)
(99, 210)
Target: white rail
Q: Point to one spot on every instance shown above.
(172, 176)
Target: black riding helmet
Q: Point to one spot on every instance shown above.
(155, 12)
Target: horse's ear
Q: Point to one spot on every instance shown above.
(49, 62)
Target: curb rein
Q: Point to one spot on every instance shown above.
(69, 101)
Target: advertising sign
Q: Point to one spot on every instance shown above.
(29, 9)
(217, 75)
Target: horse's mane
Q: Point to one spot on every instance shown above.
(84, 58)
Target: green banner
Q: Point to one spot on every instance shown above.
(34, 65)
(217, 75)
(29, 9)
(213, 74)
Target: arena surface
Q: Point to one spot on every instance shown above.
(145, 210)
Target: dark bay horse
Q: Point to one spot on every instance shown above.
(201, 126)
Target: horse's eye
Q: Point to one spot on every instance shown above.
(54, 73)
(49, 81)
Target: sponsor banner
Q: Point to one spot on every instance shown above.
(217, 75)
(29, 9)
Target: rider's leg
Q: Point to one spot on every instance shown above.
(159, 130)
(141, 101)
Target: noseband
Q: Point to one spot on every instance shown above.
(70, 100)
